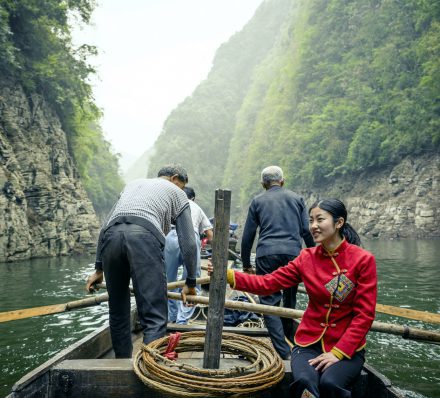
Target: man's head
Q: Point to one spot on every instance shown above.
(190, 193)
(272, 175)
(175, 174)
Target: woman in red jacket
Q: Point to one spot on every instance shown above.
(340, 278)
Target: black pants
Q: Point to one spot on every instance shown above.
(129, 250)
(278, 327)
(334, 382)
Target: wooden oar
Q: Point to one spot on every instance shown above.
(404, 331)
(402, 312)
(408, 313)
(52, 309)
(86, 302)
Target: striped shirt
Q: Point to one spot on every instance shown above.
(157, 200)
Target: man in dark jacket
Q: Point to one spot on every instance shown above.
(282, 220)
(131, 245)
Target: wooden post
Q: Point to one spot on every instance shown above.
(217, 288)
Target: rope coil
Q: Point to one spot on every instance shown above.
(178, 379)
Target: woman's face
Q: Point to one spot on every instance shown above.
(323, 228)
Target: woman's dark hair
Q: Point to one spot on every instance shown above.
(337, 209)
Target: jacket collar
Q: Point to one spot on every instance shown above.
(274, 188)
(334, 253)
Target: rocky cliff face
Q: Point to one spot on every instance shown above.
(398, 202)
(44, 210)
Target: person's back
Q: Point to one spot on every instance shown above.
(281, 224)
(177, 312)
(201, 223)
(155, 200)
(130, 246)
(281, 218)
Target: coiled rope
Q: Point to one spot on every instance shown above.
(265, 367)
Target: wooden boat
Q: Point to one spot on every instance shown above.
(88, 369)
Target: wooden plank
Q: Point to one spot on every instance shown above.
(217, 290)
(115, 378)
(94, 345)
(253, 332)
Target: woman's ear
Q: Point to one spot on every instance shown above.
(339, 223)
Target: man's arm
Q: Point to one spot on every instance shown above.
(209, 234)
(247, 240)
(187, 244)
(206, 226)
(98, 275)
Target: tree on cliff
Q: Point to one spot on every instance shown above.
(37, 53)
(336, 88)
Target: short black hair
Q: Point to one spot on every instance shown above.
(174, 169)
(190, 193)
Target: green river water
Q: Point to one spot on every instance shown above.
(408, 273)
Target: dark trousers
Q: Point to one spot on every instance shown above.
(277, 327)
(334, 382)
(129, 250)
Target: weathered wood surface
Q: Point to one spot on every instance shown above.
(217, 290)
(115, 378)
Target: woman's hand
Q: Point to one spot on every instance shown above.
(323, 361)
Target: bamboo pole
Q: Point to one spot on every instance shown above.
(399, 330)
(388, 309)
(401, 312)
(170, 285)
(82, 303)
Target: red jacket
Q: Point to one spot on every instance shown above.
(342, 288)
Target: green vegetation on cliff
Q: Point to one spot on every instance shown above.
(328, 88)
(197, 133)
(37, 53)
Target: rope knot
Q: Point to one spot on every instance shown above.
(173, 341)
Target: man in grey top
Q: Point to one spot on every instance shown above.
(282, 220)
(177, 311)
(131, 244)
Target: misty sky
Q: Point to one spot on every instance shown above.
(153, 53)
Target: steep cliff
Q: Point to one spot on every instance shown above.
(400, 201)
(44, 210)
